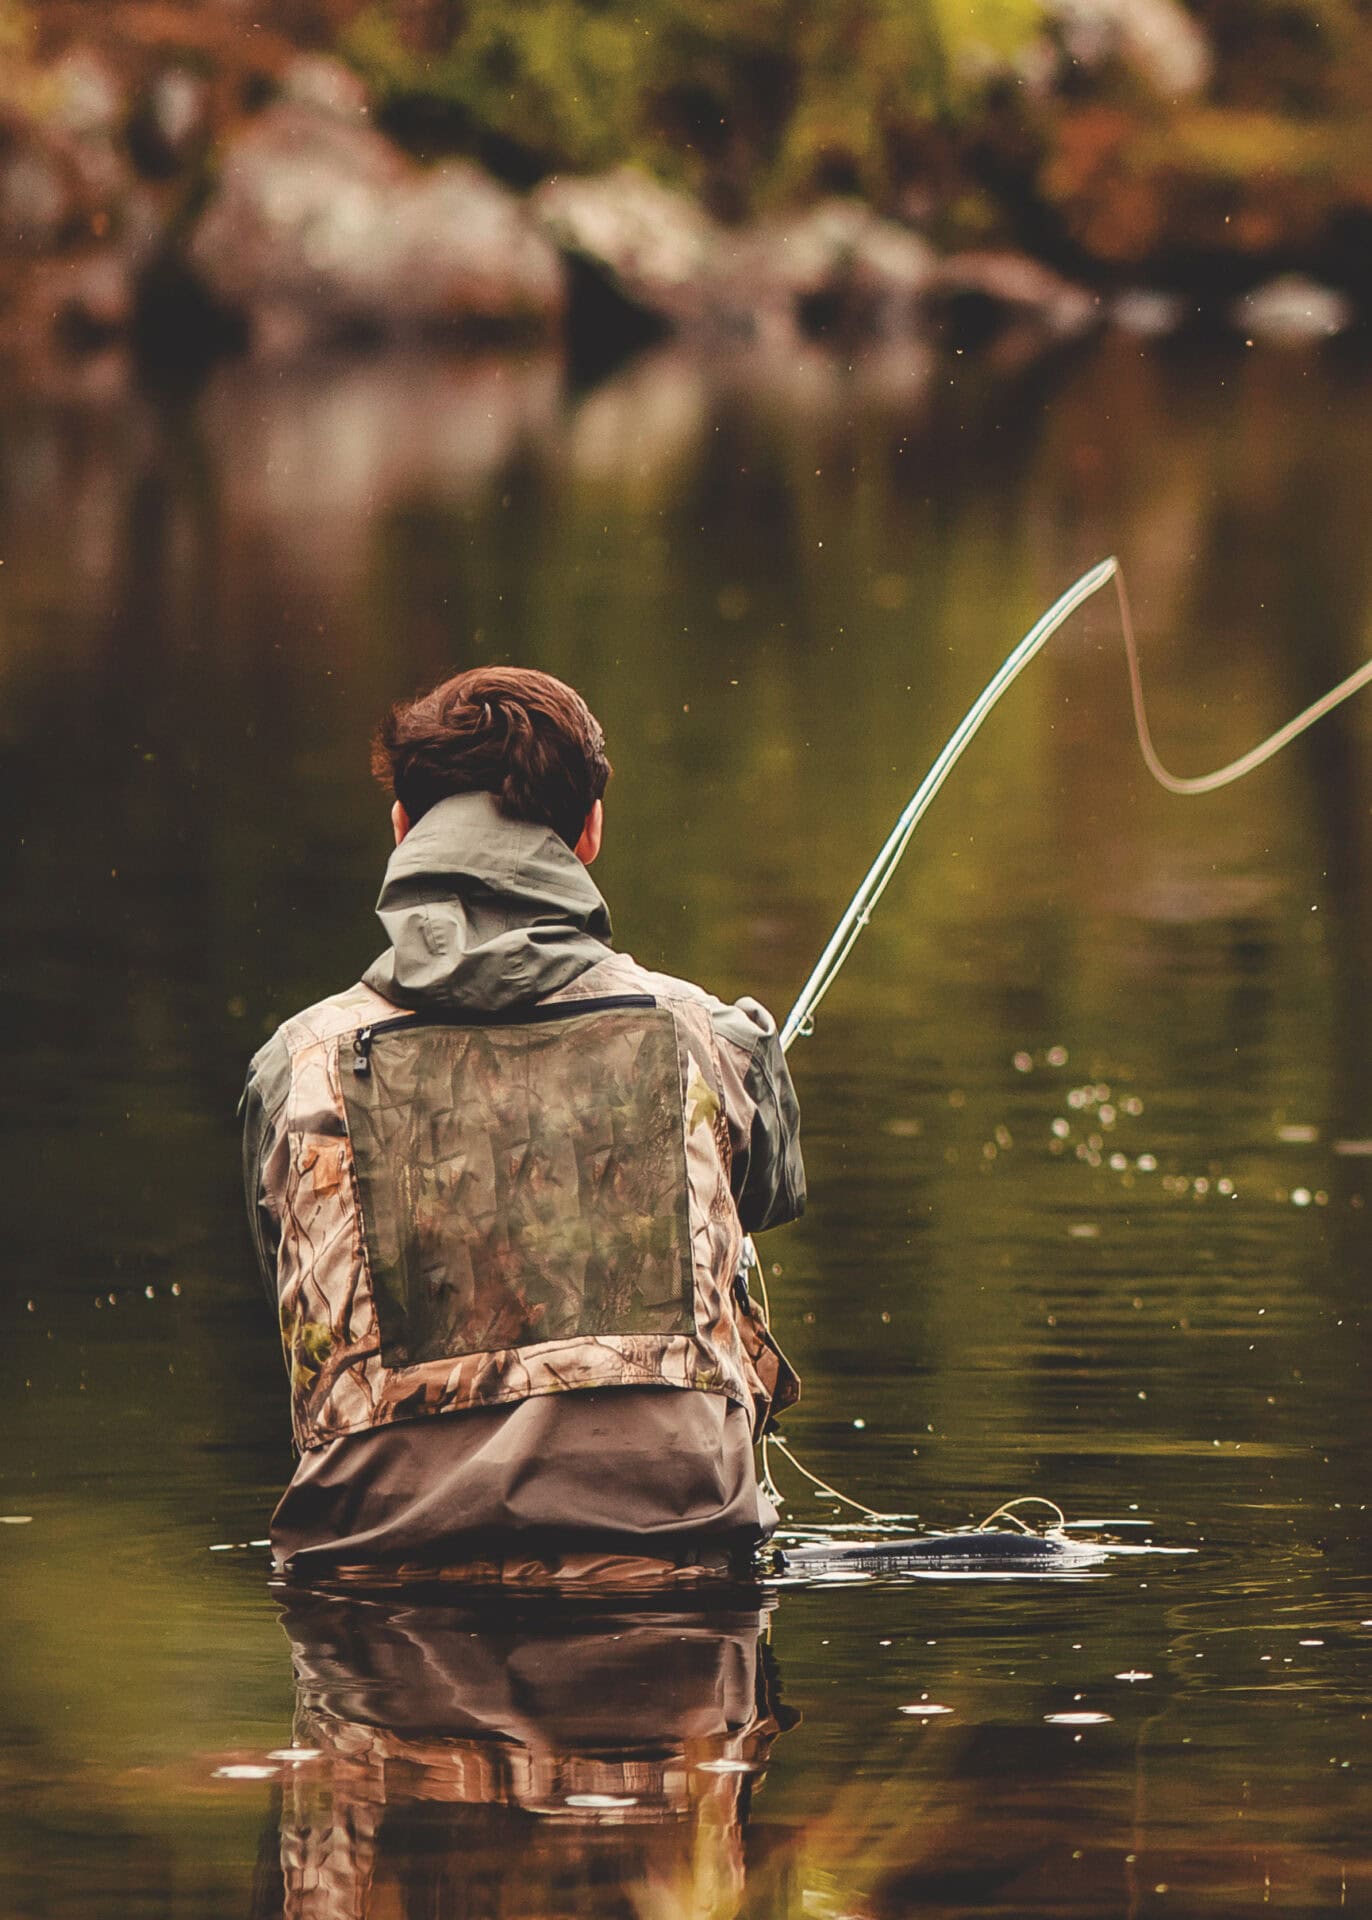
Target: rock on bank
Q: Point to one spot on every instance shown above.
(318, 231)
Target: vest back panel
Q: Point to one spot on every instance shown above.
(522, 1183)
(494, 1212)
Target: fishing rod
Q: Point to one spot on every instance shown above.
(799, 1022)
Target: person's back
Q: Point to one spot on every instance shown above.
(499, 1188)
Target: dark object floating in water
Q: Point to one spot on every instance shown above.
(980, 1550)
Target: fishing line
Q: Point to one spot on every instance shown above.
(1006, 1511)
(1246, 763)
(799, 1023)
(776, 1440)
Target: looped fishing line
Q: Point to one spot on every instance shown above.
(1247, 762)
(1006, 1511)
(800, 1021)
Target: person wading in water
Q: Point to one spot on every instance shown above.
(498, 1191)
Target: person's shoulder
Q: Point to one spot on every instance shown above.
(743, 1023)
(620, 973)
(335, 1014)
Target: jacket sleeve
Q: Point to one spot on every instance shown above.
(764, 1117)
(262, 1110)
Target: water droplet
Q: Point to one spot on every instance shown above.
(295, 1754)
(1146, 1163)
(1077, 1719)
(1298, 1136)
(1301, 1196)
(1083, 1230)
(1061, 1129)
(721, 1766)
(245, 1773)
(925, 1710)
(1023, 1063)
(1118, 1162)
(1134, 1673)
(1056, 1056)
(600, 1800)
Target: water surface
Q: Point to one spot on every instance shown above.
(779, 589)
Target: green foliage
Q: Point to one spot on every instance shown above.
(546, 76)
(749, 101)
(980, 35)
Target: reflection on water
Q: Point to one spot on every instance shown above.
(449, 1762)
(1086, 1117)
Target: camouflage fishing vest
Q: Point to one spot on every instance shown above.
(479, 1211)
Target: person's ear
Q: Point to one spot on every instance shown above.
(400, 821)
(588, 846)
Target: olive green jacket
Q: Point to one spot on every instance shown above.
(489, 916)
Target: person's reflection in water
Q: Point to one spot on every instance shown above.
(521, 1762)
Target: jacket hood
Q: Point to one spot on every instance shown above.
(484, 912)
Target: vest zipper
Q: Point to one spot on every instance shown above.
(545, 1011)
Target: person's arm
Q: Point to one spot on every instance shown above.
(764, 1117)
(262, 1110)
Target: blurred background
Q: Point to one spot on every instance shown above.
(181, 181)
(765, 370)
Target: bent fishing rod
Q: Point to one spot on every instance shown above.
(799, 1022)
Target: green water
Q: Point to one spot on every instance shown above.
(779, 589)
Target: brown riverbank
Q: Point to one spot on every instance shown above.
(179, 182)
